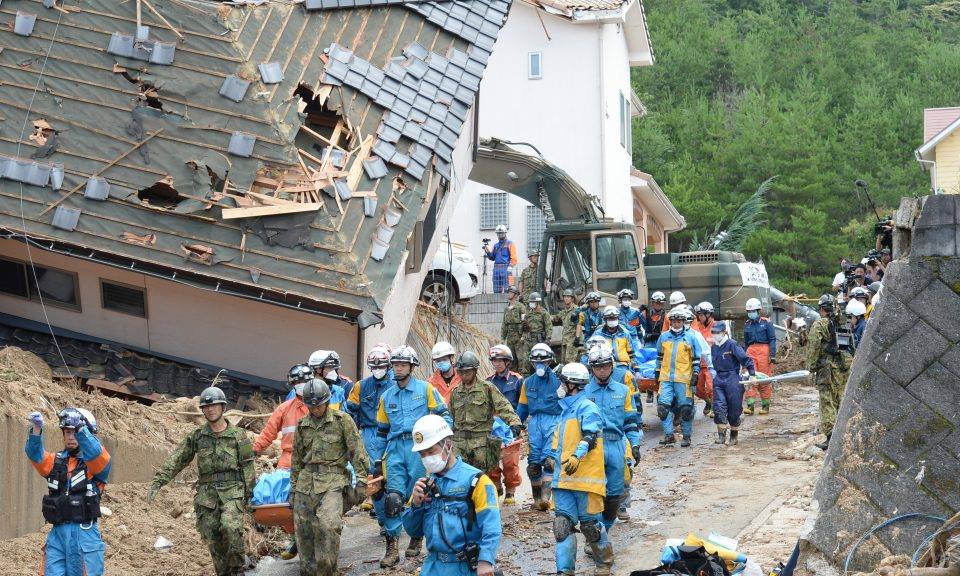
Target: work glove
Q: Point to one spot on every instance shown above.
(516, 429)
(635, 452)
(574, 317)
(549, 465)
(36, 419)
(74, 420)
(571, 464)
(578, 341)
(152, 494)
(713, 373)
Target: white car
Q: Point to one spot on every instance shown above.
(458, 278)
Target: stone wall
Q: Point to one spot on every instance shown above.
(896, 446)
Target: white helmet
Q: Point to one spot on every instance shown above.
(752, 304)
(441, 349)
(856, 308)
(677, 298)
(704, 308)
(429, 430)
(575, 373)
(658, 296)
(541, 352)
(610, 312)
(317, 358)
(501, 228)
(859, 292)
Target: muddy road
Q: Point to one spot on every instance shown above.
(757, 491)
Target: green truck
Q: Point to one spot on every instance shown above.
(584, 250)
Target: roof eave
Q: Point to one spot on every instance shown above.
(924, 152)
(662, 209)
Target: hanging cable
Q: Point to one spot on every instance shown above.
(23, 218)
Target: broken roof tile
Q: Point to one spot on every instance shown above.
(342, 188)
(383, 149)
(400, 159)
(416, 50)
(388, 134)
(234, 88)
(24, 22)
(97, 188)
(149, 51)
(56, 177)
(338, 52)
(65, 218)
(337, 69)
(374, 167)
(241, 144)
(270, 73)
(417, 68)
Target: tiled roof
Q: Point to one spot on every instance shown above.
(936, 119)
(221, 102)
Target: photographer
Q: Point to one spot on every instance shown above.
(839, 280)
(454, 507)
(884, 234)
(504, 257)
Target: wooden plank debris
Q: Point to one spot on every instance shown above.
(257, 211)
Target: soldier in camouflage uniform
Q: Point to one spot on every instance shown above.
(568, 318)
(320, 483)
(225, 464)
(528, 278)
(473, 406)
(537, 326)
(825, 362)
(511, 327)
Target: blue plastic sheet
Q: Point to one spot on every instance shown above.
(272, 488)
(501, 431)
(647, 354)
(647, 369)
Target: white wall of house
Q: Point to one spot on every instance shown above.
(186, 322)
(571, 114)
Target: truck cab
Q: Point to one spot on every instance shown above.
(582, 249)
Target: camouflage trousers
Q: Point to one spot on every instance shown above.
(829, 381)
(569, 353)
(481, 451)
(514, 345)
(318, 524)
(221, 528)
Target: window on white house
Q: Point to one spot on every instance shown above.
(534, 66)
(493, 209)
(626, 130)
(536, 224)
(123, 298)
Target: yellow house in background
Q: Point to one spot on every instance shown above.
(940, 153)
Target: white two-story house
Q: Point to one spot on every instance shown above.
(560, 81)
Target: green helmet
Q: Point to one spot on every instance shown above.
(316, 393)
(533, 252)
(826, 301)
(534, 297)
(468, 361)
(568, 292)
(212, 395)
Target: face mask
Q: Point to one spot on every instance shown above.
(753, 315)
(298, 388)
(613, 323)
(541, 369)
(332, 376)
(533, 305)
(561, 391)
(687, 325)
(435, 463)
(722, 338)
(676, 330)
(444, 366)
(626, 303)
(379, 373)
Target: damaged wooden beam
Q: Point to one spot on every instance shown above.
(258, 211)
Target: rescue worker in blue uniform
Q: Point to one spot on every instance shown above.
(579, 487)
(589, 317)
(539, 402)
(630, 317)
(326, 365)
(362, 405)
(621, 432)
(760, 342)
(729, 360)
(504, 257)
(454, 507)
(856, 312)
(624, 346)
(408, 400)
(76, 477)
(678, 366)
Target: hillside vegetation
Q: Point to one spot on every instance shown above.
(816, 93)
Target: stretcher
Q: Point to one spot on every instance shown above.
(274, 515)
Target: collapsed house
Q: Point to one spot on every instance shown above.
(231, 185)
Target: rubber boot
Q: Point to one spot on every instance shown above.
(414, 547)
(685, 443)
(707, 408)
(734, 440)
(668, 440)
(764, 407)
(749, 408)
(825, 444)
(721, 435)
(623, 515)
(649, 397)
(546, 502)
(392, 556)
(509, 499)
(603, 557)
(537, 491)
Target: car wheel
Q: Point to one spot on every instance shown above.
(437, 291)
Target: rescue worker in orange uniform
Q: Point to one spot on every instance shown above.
(703, 324)
(760, 338)
(444, 379)
(283, 421)
(76, 478)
